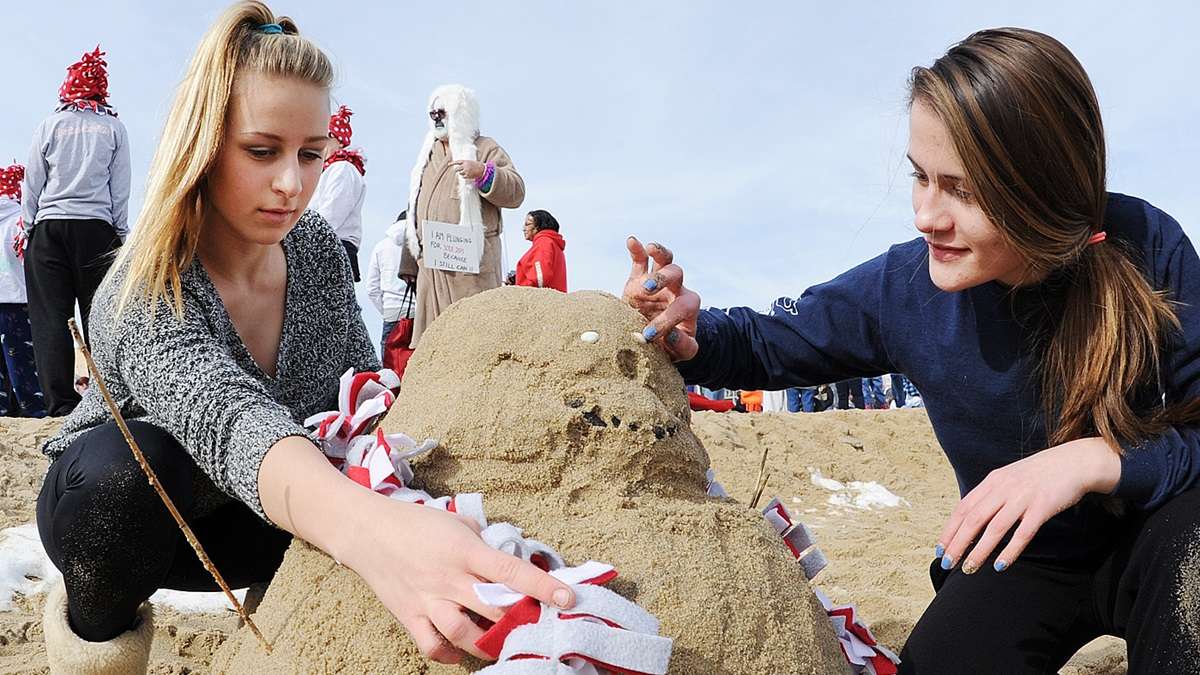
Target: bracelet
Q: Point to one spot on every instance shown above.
(489, 172)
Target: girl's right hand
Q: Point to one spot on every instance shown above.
(420, 561)
(422, 564)
(659, 294)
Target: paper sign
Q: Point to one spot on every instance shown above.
(451, 247)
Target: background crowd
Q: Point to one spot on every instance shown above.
(64, 215)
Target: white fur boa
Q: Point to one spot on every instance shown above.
(462, 125)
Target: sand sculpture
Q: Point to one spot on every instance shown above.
(584, 442)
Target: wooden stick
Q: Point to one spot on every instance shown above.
(153, 478)
(761, 483)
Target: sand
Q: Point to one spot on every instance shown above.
(588, 447)
(878, 558)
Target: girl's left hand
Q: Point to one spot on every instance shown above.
(1031, 490)
(470, 169)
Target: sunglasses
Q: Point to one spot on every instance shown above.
(437, 115)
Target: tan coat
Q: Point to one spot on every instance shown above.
(438, 200)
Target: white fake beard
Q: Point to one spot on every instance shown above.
(441, 132)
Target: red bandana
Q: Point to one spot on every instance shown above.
(86, 85)
(339, 126)
(353, 156)
(10, 181)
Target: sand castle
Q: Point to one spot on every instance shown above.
(587, 446)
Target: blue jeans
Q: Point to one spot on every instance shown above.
(898, 389)
(793, 399)
(20, 393)
(387, 330)
(873, 393)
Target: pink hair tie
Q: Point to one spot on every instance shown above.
(1097, 238)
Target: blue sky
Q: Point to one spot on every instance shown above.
(763, 142)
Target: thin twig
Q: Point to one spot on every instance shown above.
(153, 478)
(761, 483)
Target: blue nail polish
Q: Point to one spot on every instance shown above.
(650, 333)
(1000, 566)
(947, 562)
(650, 284)
(939, 551)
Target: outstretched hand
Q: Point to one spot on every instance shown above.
(657, 291)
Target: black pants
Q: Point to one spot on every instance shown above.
(352, 253)
(64, 263)
(106, 530)
(1033, 617)
(850, 392)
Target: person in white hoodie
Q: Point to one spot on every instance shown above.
(391, 277)
(20, 394)
(342, 188)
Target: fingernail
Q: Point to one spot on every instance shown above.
(1000, 566)
(562, 598)
(947, 562)
(650, 284)
(969, 568)
(939, 551)
(649, 333)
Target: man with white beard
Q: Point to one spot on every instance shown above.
(460, 178)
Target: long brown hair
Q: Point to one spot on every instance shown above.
(1026, 125)
(168, 230)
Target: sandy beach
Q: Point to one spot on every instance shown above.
(878, 555)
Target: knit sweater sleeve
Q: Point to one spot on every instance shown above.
(831, 332)
(182, 376)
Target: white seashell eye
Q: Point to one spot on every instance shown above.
(591, 337)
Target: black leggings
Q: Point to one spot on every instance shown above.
(110, 535)
(1033, 617)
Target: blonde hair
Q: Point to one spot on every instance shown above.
(163, 243)
(1026, 123)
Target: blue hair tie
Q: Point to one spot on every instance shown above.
(271, 28)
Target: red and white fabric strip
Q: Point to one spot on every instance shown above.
(20, 240)
(605, 647)
(865, 655)
(590, 572)
(363, 399)
(797, 537)
(542, 667)
(508, 538)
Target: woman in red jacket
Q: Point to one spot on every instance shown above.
(544, 265)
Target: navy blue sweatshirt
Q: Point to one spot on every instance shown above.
(972, 354)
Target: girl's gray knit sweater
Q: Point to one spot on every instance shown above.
(196, 379)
